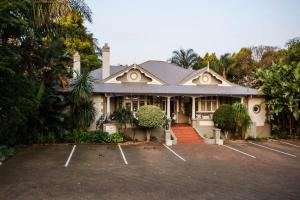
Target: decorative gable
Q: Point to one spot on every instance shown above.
(134, 74)
(205, 76)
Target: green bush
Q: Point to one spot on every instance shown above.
(6, 152)
(150, 117)
(94, 137)
(224, 118)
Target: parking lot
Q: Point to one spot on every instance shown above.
(258, 170)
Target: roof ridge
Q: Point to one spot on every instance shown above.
(171, 64)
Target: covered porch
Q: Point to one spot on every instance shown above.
(194, 110)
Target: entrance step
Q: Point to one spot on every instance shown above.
(186, 134)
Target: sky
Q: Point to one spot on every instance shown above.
(141, 30)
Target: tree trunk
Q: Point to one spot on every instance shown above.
(224, 74)
(148, 135)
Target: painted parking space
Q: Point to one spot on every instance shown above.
(290, 143)
(283, 147)
(265, 146)
(266, 157)
(42, 156)
(150, 154)
(205, 152)
(96, 157)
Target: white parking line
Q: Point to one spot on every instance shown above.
(124, 158)
(238, 151)
(174, 152)
(70, 156)
(288, 154)
(289, 143)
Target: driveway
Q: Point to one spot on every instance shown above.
(153, 171)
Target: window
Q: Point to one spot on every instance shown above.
(208, 104)
(134, 106)
(256, 109)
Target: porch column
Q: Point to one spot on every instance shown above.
(168, 107)
(108, 105)
(242, 100)
(193, 108)
(177, 109)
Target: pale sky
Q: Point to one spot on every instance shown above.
(141, 30)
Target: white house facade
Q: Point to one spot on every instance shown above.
(187, 96)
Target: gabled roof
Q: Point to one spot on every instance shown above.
(134, 66)
(196, 73)
(172, 76)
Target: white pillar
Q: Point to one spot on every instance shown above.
(108, 105)
(168, 107)
(193, 108)
(242, 100)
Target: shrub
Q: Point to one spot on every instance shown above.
(150, 117)
(242, 118)
(224, 118)
(6, 152)
(94, 137)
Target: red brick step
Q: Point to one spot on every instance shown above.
(186, 134)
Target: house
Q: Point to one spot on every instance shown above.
(187, 96)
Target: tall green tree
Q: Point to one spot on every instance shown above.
(225, 64)
(77, 39)
(281, 83)
(83, 112)
(32, 57)
(243, 68)
(212, 59)
(184, 58)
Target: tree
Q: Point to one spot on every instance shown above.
(282, 85)
(77, 39)
(225, 64)
(150, 117)
(199, 63)
(269, 57)
(184, 58)
(33, 57)
(212, 60)
(244, 68)
(242, 118)
(224, 119)
(83, 111)
(259, 51)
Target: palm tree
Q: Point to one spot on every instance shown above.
(83, 111)
(49, 11)
(184, 58)
(225, 64)
(242, 118)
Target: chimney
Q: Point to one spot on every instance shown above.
(76, 64)
(105, 61)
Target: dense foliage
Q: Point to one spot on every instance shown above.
(224, 118)
(150, 117)
(78, 136)
(83, 112)
(77, 39)
(242, 119)
(34, 61)
(233, 119)
(282, 84)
